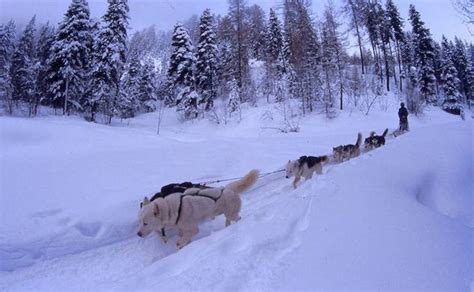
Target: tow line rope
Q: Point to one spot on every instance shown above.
(237, 178)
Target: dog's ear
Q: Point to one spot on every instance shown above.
(146, 201)
(156, 210)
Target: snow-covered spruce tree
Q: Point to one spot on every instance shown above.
(470, 80)
(453, 97)
(128, 105)
(424, 53)
(7, 46)
(461, 63)
(110, 52)
(239, 35)
(274, 38)
(437, 65)
(255, 17)
(226, 69)
(333, 60)
(147, 90)
(207, 62)
(45, 41)
(304, 53)
(233, 104)
(226, 52)
(274, 50)
(329, 69)
(22, 70)
(69, 60)
(180, 73)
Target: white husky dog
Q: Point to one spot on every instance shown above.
(185, 211)
(305, 167)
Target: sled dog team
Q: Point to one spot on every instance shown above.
(184, 206)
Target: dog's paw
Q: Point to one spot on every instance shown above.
(164, 240)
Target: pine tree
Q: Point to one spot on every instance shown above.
(274, 38)
(147, 89)
(424, 54)
(226, 69)
(470, 82)
(233, 103)
(332, 60)
(227, 52)
(372, 23)
(207, 62)
(45, 41)
(22, 68)
(450, 86)
(461, 63)
(273, 65)
(237, 17)
(438, 65)
(7, 47)
(304, 51)
(128, 105)
(256, 31)
(69, 59)
(110, 52)
(396, 23)
(354, 9)
(180, 73)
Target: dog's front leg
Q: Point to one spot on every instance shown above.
(188, 234)
(296, 181)
(162, 234)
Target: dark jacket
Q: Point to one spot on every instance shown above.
(403, 113)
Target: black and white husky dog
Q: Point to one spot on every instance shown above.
(349, 151)
(374, 141)
(305, 167)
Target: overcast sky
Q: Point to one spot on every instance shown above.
(439, 15)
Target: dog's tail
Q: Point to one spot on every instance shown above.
(359, 140)
(244, 183)
(385, 133)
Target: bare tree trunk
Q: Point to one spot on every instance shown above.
(393, 64)
(66, 98)
(359, 39)
(399, 65)
(387, 68)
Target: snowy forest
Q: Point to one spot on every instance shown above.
(322, 61)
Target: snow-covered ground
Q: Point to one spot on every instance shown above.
(398, 218)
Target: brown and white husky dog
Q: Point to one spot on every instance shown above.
(305, 167)
(346, 152)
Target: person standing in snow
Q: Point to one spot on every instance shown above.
(403, 116)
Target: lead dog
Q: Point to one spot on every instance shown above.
(374, 141)
(186, 211)
(168, 190)
(305, 166)
(349, 151)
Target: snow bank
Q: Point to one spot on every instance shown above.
(397, 218)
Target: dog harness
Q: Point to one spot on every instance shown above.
(309, 160)
(197, 194)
